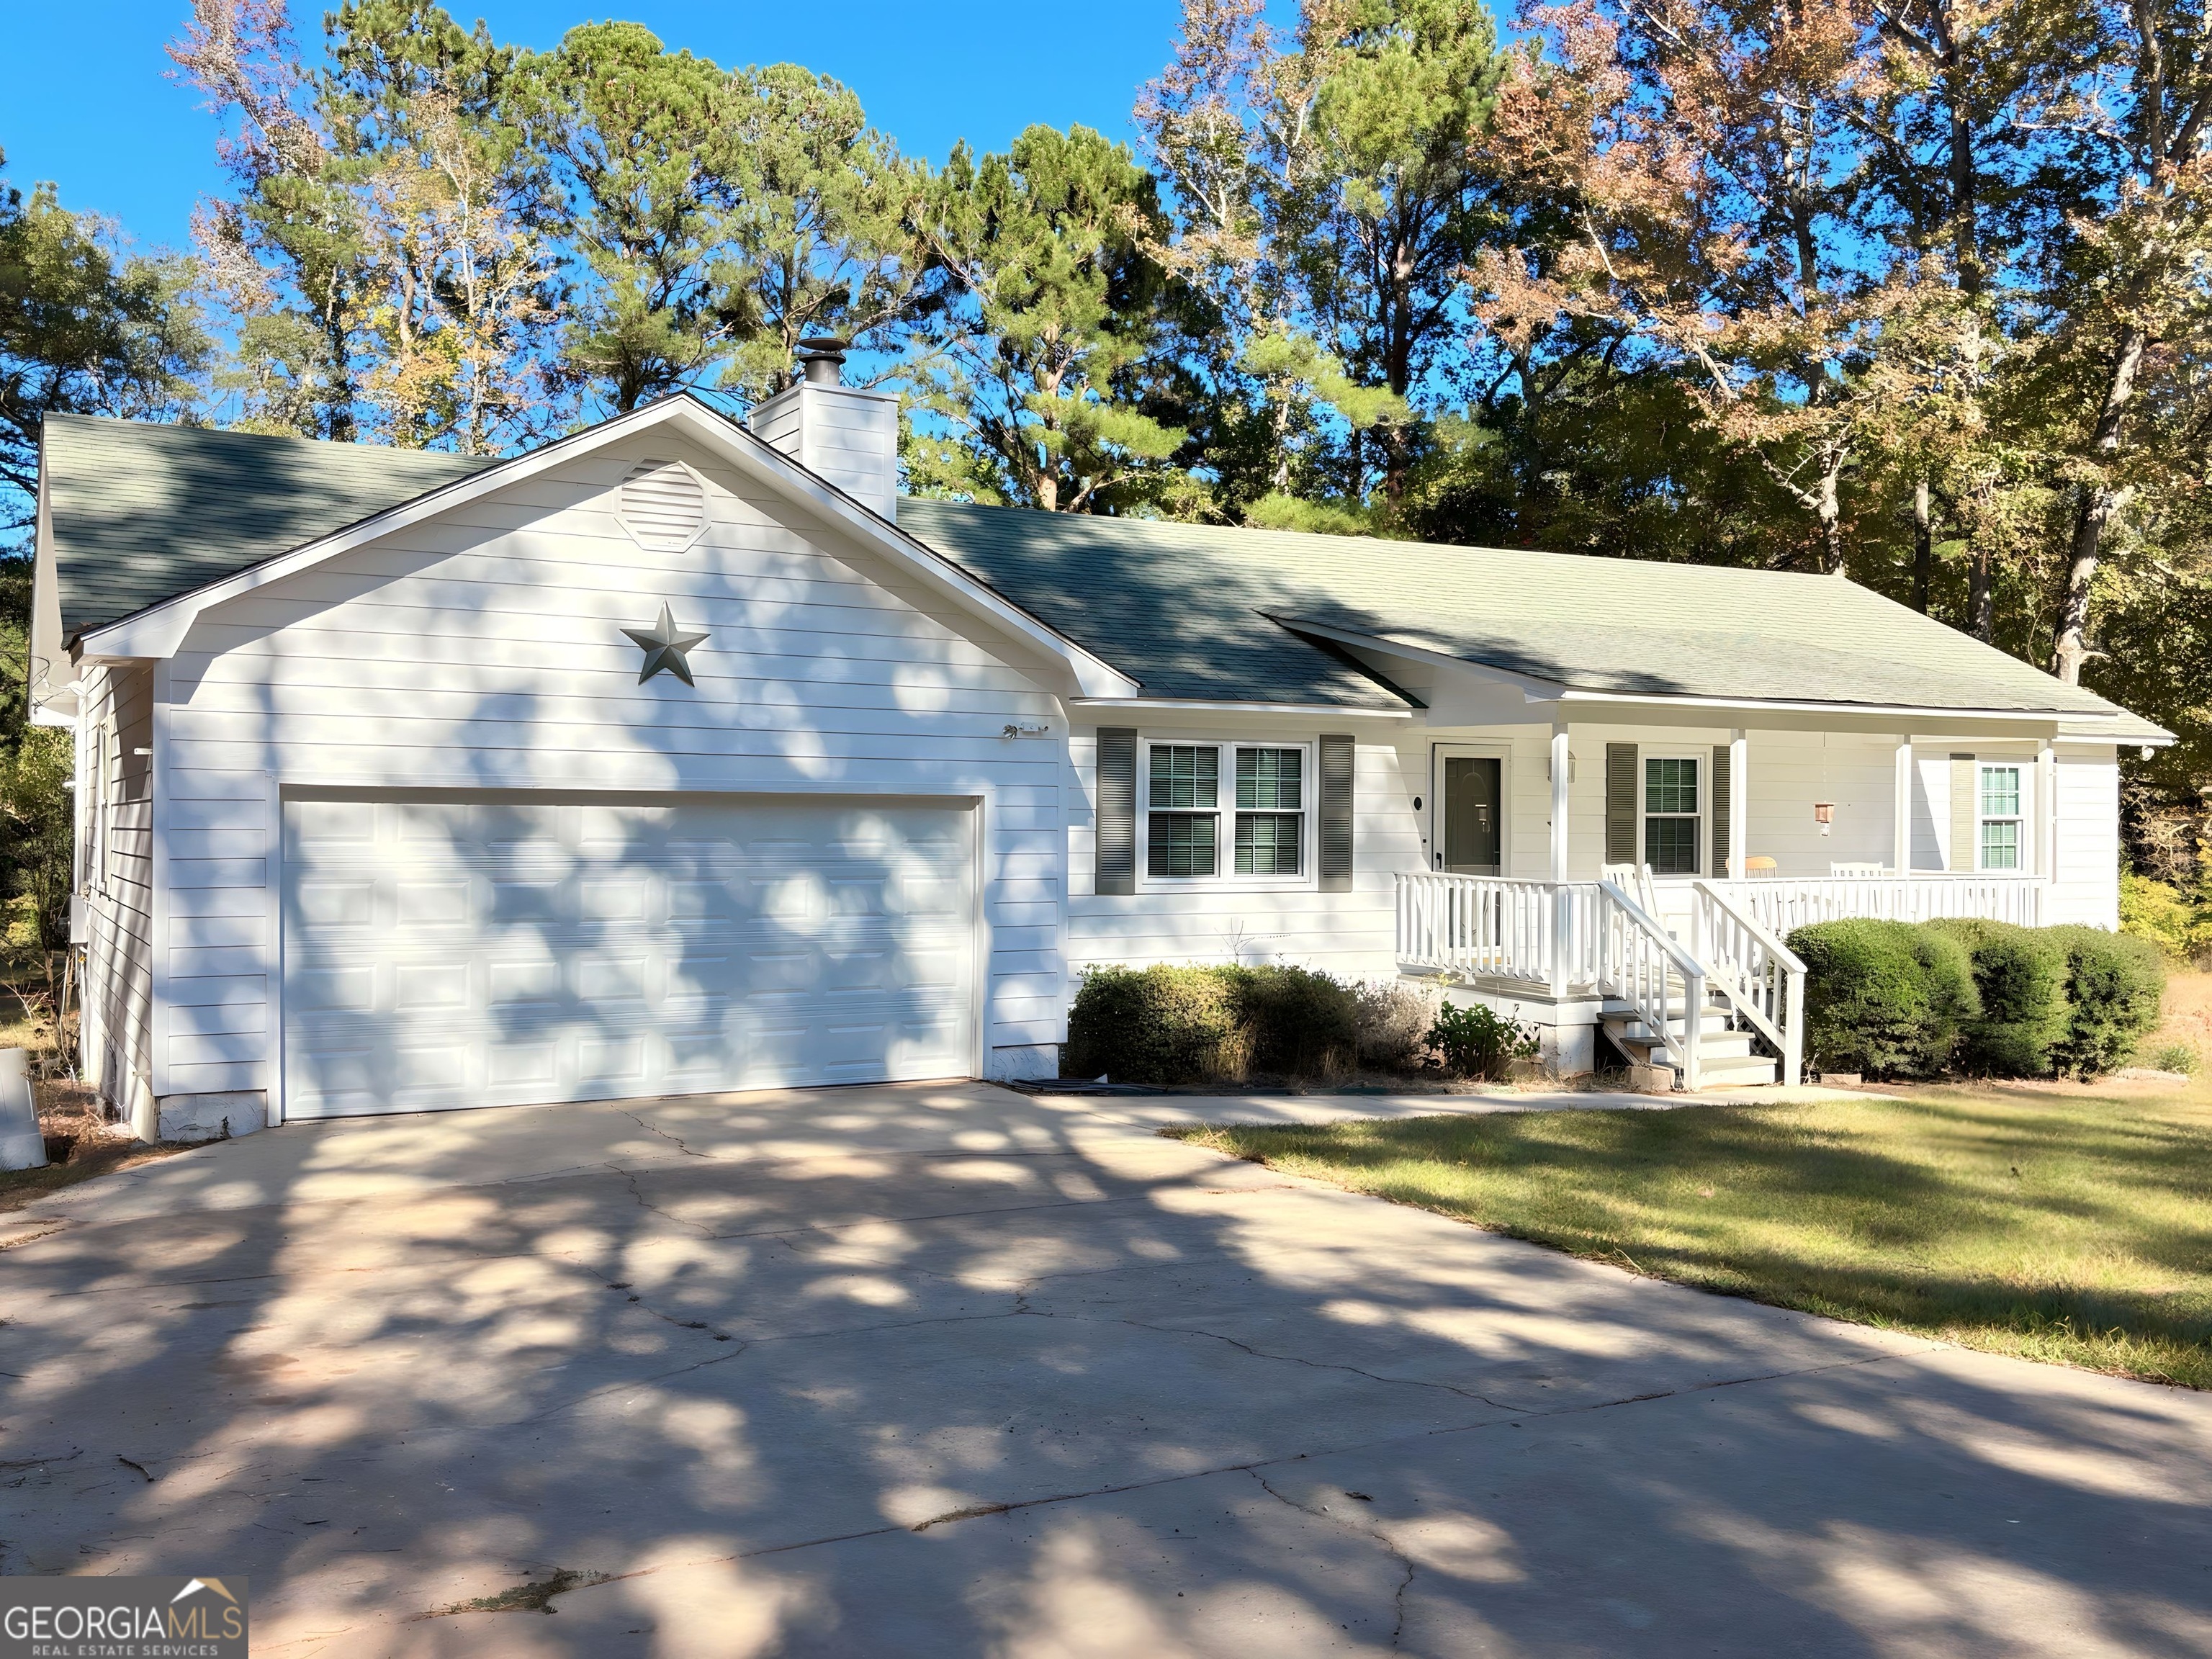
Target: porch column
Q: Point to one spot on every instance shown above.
(2046, 814)
(1901, 824)
(1562, 916)
(1562, 765)
(1738, 802)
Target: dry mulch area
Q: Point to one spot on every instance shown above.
(79, 1146)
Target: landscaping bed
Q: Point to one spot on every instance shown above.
(2057, 1221)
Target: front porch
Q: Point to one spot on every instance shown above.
(1682, 975)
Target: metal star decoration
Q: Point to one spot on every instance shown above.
(664, 648)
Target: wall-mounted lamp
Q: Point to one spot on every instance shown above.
(1572, 769)
(1824, 814)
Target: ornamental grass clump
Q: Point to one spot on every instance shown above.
(1886, 999)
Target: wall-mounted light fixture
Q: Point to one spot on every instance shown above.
(1824, 814)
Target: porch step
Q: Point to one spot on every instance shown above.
(1725, 1059)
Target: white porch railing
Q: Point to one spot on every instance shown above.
(1782, 903)
(1491, 927)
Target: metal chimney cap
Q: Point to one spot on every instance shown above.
(820, 357)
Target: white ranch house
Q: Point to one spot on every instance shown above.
(684, 755)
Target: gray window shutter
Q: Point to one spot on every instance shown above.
(1966, 812)
(1336, 758)
(1620, 804)
(1117, 810)
(1722, 784)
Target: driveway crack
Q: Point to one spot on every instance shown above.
(677, 1142)
(1287, 1358)
(1371, 1531)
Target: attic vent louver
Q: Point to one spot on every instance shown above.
(664, 506)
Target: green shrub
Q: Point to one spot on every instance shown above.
(1157, 1024)
(2113, 988)
(1297, 1022)
(1477, 1040)
(1192, 1024)
(1884, 997)
(2179, 925)
(2020, 979)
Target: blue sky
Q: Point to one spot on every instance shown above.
(83, 101)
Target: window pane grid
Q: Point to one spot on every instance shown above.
(1185, 775)
(1267, 843)
(1670, 846)
(1670, 786)
(2001, 792)
(1268, 780)
(1180, 844)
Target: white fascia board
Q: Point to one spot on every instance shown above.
(1754, 705)
(159, 630)
(1203, 706)
(50, 675)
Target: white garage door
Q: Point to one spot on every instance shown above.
(445, 953)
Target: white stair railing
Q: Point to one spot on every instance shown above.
(1641, 964)
(1760, 976)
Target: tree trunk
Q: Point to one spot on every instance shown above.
(2069, 645)
(1923, 548)
(1981, 597)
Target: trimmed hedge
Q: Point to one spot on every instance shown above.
(2021, 977)
(1191, 1024)
(1885, 998)
(2113, 988)
(1892, 998)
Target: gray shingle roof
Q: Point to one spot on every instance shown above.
(1184, 608)
(141, 512)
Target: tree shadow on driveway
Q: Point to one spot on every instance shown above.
(941, 1368)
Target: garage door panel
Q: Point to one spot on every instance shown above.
(453, 953)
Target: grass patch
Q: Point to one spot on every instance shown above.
(2057, 1222)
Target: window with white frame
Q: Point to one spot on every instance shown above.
(1672, 826)
(1999, 824)
(1225, 811)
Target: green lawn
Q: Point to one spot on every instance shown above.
(2060, 1225)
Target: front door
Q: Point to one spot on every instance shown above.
(1472, 829)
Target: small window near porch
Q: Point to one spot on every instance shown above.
(2000, 819)
(1671, 826)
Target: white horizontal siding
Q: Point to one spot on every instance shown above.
(1353, 933)
(2088, 884)
(485, 650)
(114, 780)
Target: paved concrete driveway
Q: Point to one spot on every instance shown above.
(949, 1371)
